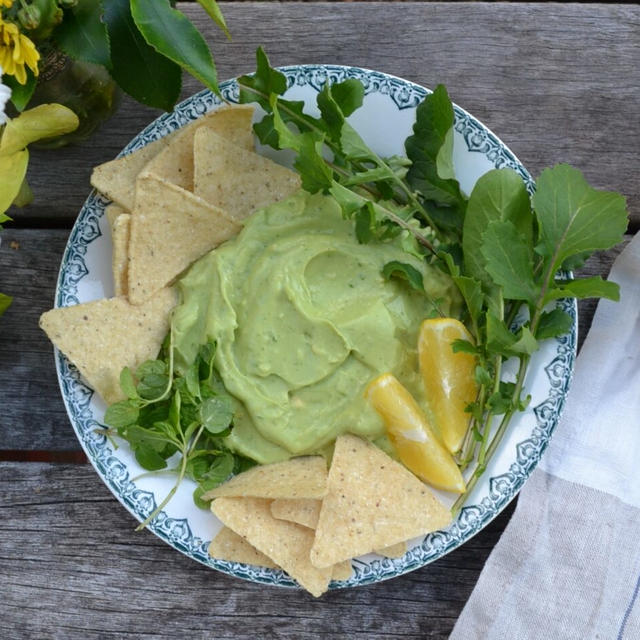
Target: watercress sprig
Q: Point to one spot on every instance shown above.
(167, 414)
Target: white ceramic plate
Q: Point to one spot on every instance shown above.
(384, 121)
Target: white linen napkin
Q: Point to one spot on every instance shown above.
(568, 564)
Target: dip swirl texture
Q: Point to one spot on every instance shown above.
(303, 320)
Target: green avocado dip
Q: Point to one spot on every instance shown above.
(304, 320)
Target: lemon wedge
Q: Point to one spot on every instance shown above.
(448, 377)
(413, 438)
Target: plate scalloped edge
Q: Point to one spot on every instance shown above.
(177, 532)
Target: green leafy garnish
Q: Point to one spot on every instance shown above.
(506, 251)
(167, 414)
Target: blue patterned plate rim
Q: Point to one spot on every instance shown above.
(176, 531)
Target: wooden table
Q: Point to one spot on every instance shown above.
(557, 82)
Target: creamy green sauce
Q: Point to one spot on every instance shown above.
(303, 320)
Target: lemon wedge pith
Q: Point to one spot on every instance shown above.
(408, 428)
(448, 377)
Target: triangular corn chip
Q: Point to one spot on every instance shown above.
(372, 502)
(304, 511)
(237, 180)
(175, 162)
(286, 543)
(394, 551)
(304, 477)
(120, 254)
(170, 228)
(116, 179)
(228, 545)
(104, 336)
(342, 570)
(112, 211)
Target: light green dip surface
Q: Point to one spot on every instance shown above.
(303, 320)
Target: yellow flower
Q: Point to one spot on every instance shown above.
(6, 3)
(16, 51)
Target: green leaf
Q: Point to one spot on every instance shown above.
(20, 93)
(149, 367)
(170, 33)
(472, 293)
(553, 323)
(145, 74)
(266, 132)
(206, 357)
(220, 470)
(265, 81)
(338, 101)
(594, 287)
(499, 338)
(192, 381)
(482, 376)
(127, 384)
(444, 159)
(404, 271)
(365, 222)
(314, 172)
(156, 438)
(348, 95)
(13, 169)
(216, 413)
(575, 218)
(121, 414)
(508, 261)
(153, 413)
(526, 343)
(153, 386)
(82, 34)
(500, 194)
(5, 302)
(429, 149)
(353, 146)
(287, 139)
(370, 175)
(43, 121)
(148, 458)
(212, 8)
(464, 346)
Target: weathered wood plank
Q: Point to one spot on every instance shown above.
(557, 82)
(72, 567)
(33, 415)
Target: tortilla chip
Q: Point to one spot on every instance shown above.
(120, 254)
(394, 551)
(372, 502)
(116, 179)
(237, 180)
(112, 211)
(175, 162)
(304, 511)
(304, 477)
(286, 543)
(170, 228)
(228, 545)
(104, 336)
(342, 570)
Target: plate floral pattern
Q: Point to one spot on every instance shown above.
(85, 272)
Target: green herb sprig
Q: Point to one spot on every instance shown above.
(507, 252)
(166, 413)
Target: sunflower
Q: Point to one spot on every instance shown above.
(16, 50)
